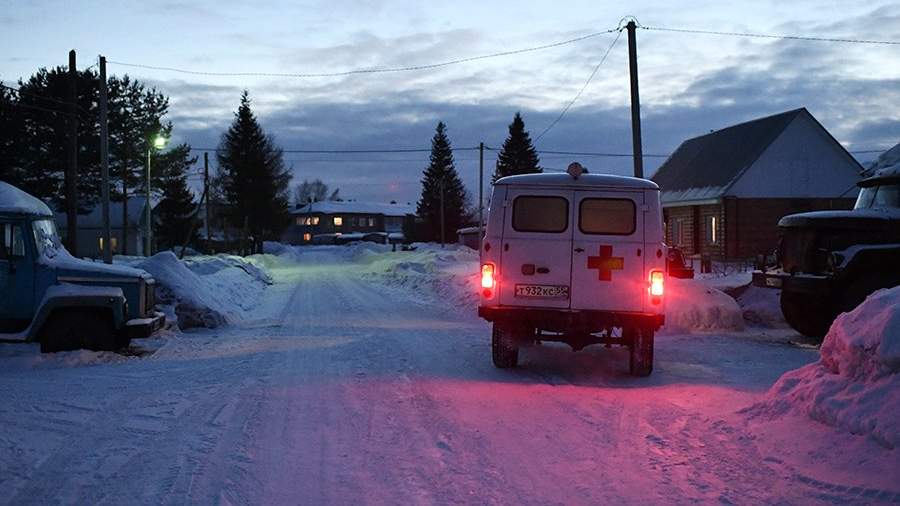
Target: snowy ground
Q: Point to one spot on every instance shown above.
(362, 376)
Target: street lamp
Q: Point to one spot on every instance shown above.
(159, 142)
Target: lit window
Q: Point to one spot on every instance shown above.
(298, 221)
(338, 221)
(712, 232)
(113, 240)
(371, 222)
(314, 220)
(307, 237)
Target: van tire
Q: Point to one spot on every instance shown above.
(641, 352)
(504, 346)
(73, 329)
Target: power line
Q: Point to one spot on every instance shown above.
(770, 36)
(40, 97)
(343, 151)
(578, 95)
(406, 68)
(39, 108)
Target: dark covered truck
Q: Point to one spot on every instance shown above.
(46, 295)
(828, 262)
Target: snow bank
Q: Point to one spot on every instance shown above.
(16, 201)
(761, 306)
(449, 274)
(207, 291)
(855, 385)
(691, 305)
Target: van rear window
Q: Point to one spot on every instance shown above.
(540, 214)
(607, 216)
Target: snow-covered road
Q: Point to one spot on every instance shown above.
(346, 390)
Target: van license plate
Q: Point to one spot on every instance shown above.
(773, 282)
(543, 291)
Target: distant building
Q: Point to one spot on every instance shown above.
(468, 236)
(90, 228)
(332, 222)
(724, 192)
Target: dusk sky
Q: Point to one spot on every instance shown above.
(690, 83)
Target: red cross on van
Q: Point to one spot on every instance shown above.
(577, 258)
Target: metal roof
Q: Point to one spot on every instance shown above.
(713, 161)
(583, 181)
(345, 207)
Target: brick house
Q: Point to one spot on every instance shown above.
(331, 222)
(724, 192)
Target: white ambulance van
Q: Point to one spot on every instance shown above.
(577, 258)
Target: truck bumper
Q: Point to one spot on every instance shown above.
(144, 327)
(571, 320)
(803, 283)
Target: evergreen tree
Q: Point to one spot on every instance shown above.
(34, 135)
(254, 178)
(441, 175)
(135, 118)
(176, 211)
(45, 116)
(518, 155)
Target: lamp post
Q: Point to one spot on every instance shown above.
(159, 142)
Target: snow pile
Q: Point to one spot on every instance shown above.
(16, 201)
(692, 305)
(760, 306)
(856, 383)
(449, 274)
(206, 291)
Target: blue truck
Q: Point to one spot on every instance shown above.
(62, 302)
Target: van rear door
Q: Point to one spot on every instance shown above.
(608, 251)
(536, 256)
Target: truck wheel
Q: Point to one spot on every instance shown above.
(72, 329)
(861, 288)
(504, 346)
(807, 314)
(641, 352)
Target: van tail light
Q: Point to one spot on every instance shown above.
(487, 280)
(657, 279)
(487, 276)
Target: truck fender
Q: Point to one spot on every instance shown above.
(69, 296)
(858, 260)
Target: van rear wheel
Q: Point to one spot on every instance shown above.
(504, 346)
(641, 352)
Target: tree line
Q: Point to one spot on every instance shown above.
(249, 189)
(250, 186)
(442, 187)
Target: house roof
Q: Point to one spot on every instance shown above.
(585, 180)
(94, 218)
(16, 201)
(348, 207)
(705, 166)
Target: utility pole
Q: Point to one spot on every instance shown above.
(206, 193)
(442, 212)
(72, 167)
(637, 150)
(148, 248)
(480, 197)
(104, 164)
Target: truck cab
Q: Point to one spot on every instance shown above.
(47, 295)
(828, 262)
(577, 258)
